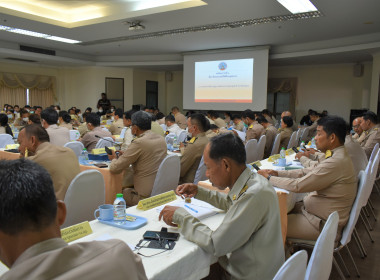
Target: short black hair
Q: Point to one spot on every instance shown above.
(84, 116)
(249, 114)
(288, 121)
(334, 124)
(119, 113)
(234, 117)
(3, 119)
(93, 119)
(170, 118)
(175, 108)
(261, 119)
(314, 113)
(213, 126)
(213, 114)
(142, 120)
(37, 131)
(227, 145)
(127, 115)
(160, 115)
(34, 118)
(65, 116)
(27, 198)
(88, 109)
(200, 121)
(369, 115)
(50, 116)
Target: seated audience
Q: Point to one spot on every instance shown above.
(160, 118)
(213, 131)
(4, 126)
(248, 242)
(22, 120)
(219, 122)
(30, 236)
(128, 137)
(314, 117)
(117, 125)
(61, 163)
(34, 119)
(372, 132)
(359, 133)
(227, 119)
(64, 120)
(155, 126)
(180, 119)
(289, 114)
(255, 130)
(145, 154)
(83, 127)
(306, 119)
(238, 123)
(270, 134)
(192, 153)
(285, 131)
(171, 126)
(269, 116)
(90, 139)
(331, 185)
(58, 135)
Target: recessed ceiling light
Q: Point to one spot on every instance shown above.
(38, 35)
(298, 6)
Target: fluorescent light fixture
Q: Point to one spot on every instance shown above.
(298, 6)
(38, 35)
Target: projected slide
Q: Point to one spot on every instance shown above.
(224, 81)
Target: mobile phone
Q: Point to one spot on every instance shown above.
(157, 235)
(295, 150)
(108, 150)
(254, 165)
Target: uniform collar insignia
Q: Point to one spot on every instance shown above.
(192, 140)
(328, 154)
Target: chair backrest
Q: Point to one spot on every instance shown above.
(251, 150)
(261, 147)
(374, 151)
(104, 143)
(276, 145)
(85, 193)
(169, 139)
(6, 139)
(163, 126)
(76, 146)
(370, 180)
(167, 175)
(304, 134)
(294, 268)
(122, 132)
(355, 210)
(299, 132)
(74, 135)
(320, 263)
(182, 136)
(200, 175)
(293, 140)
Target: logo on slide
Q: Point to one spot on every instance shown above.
(222, 66)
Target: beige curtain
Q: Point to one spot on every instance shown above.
(41, 97)
(12, 96)
(285, 85)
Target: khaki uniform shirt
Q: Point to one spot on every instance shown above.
(359, 138)
(191, 157)
(20, 123)
(270, 134)
(239, 126)
(116, 127)
(181, 120)
(145, 153)
(254, 131)
(312, 131)
(58, 135)
(248, 242)
(127, 140)
(285, 133)
(313, 160)
(61, 163)
(55, 259)
(156, 128)
(69, 126)
(209, 134)
(89, 141)
(332, 185)
(220, 123)
(372, 137)
(83, 129)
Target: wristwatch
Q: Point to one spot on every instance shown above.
(269, 177)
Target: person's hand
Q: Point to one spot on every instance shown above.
(301, 154)
(266, 172)
(187, 190)
(181, 145)
(311, 151)
(167, 215)
(112, 156)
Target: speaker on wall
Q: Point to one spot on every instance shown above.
(358, 70)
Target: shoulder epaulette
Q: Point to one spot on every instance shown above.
(328, 154)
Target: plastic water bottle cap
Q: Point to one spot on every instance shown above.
(119, 195)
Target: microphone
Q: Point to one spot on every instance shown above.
(113, 142)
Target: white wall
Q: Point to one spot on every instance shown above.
(327, 87)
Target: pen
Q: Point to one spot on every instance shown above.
(192, 209)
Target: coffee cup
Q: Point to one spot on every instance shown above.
(105, 212)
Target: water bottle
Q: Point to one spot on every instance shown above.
(84, 154)
(282, 160)
(175, 142)
(119, 207)
(302, 146)
(282, 153)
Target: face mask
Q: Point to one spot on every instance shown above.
(25, 119)
(112, 118)
(246, 125)
(112, 110)
(32, 112)
(10, 116)
(79, 115)
(57, 111)
(100, 111)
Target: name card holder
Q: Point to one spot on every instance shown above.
(258, 163)
(157, 200)
(101, 150)
(273, 158)
(12, 146)
(76, 231)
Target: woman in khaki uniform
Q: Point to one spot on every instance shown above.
(286, 131)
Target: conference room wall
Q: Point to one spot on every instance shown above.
(327, 87)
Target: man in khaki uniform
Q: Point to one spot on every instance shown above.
(180, 119)
(117, 125)
(192, 153)
(270, 134)
(30, 236)
(255, 130)
(61, 163)
(128, 137)
(289, 114)
(171, 126)
(359, 133)
(238, 123)
(155, 126)
(314, 117)
(285, 131)
(332, 184)
(145, 154)
(58, 135)
(217, 120)
(248, 242)
(83, 129)
(90, 140)
(372, 132)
